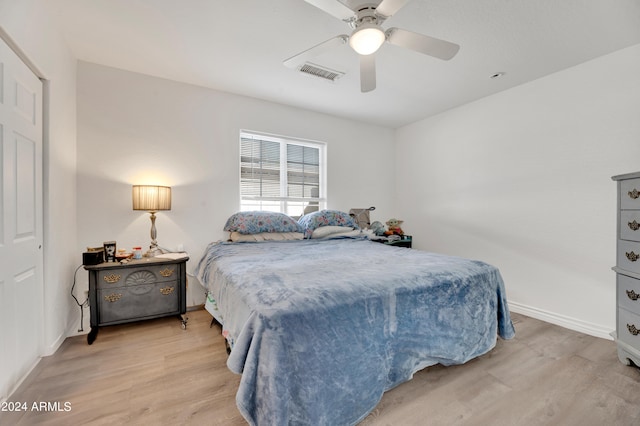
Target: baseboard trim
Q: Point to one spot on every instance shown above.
(21, 380)
(562, 320)
(54, 346)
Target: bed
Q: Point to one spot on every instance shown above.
(321, 328)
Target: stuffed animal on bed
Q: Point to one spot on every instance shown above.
(377, 228)
(393, 227)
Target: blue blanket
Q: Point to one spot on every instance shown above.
(321, 329)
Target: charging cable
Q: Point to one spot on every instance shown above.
(81, 305)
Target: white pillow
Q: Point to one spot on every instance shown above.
(236, 237)
(351, 234)
(335, 231)
(325, 231)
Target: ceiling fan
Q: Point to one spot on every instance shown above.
(368, 36)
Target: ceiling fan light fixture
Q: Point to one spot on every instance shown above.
(367, 39)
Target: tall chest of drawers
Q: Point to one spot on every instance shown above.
(628, 268)
(141, 289)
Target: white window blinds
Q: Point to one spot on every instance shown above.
(259, 168)
(281, 174)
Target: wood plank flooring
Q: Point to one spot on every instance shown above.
(155, 373)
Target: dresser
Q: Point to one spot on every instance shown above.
(137, 290)
(628, 268)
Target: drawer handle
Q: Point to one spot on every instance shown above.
(114, 297)
(632, 329)
(113, 278)
(634, 194)
(166, 272)
(167, 290)
(632, 256)
(634, 226)
(632, 295)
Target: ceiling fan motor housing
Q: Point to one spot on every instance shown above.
(366, 15)
(367, 36)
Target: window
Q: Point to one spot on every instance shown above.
(281, 174)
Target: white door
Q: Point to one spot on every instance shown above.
(21, 259)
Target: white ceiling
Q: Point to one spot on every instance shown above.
(238, 46)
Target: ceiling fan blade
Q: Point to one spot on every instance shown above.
(367, 73)
(325, 46)
(421, 43)
(388, 8)
(333, 8)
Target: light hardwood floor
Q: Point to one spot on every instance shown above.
(155, 373)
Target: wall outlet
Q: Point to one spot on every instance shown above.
(180, 247)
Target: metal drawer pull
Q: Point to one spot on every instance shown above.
(166, 272)
(634, 194)
(632, 329)
(113, 278)
(632, 295)
(114, 297)
(632, 256)
(634, 226)
(167, 290)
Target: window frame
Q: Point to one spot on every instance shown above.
(284, 202)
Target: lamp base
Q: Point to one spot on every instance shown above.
(153, 252)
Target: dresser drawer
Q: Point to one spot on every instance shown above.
(138, 301)
(630, 225)
(630, 194)
(628, 293)
(629, 255)
(629, 328)
(139, 275)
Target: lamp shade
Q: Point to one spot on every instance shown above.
(367, 38)
(151, 198)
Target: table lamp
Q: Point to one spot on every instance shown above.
(152, 198)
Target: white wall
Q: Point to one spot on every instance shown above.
(521, 180)
(135, 129)
(28, 23)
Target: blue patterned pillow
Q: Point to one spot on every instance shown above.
(258, 222)
(310, 222)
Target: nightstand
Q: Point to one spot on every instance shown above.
(404, 241)
(137, 290)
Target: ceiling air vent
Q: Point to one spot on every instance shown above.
(320, 71)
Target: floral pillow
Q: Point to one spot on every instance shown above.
(312, 221)
(257, 222)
